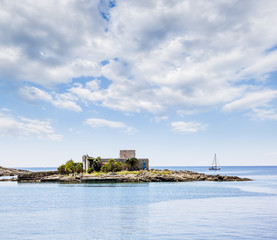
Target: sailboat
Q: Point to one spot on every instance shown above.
(215, 165)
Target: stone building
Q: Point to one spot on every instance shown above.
(143, 163)
(125, 154)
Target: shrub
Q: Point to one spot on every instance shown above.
(61, 169)
(79, 167)
(89, 170)
(112, 166)
(105, 168)
(70, 167)
(131, 163)
(97, 164)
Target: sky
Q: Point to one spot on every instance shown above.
(175, 80)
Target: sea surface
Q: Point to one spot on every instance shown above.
(140, 211)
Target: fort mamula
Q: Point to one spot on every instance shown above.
(143, 163)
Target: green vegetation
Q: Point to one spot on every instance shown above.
(97, 164)
(128, 172)
(163, 172)
(97, 168)
(112, 166)
(70, 167)
(89, 170)
(96, 174)
(132, 163)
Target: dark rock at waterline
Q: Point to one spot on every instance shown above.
(36, 176)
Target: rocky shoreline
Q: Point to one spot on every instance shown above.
(153, 175)
(121, 177)
(11, 171)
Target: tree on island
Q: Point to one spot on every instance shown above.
(112, 166)
(131, 163)
(71, 167)
(79, 167)
(97, 164)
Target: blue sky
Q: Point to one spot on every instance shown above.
(176, 80)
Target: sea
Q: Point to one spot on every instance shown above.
(141, 211)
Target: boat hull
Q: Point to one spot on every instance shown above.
(213, 168)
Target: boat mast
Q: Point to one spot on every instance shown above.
(215, 165)
(214, 161)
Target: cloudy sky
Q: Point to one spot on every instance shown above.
(176, 80)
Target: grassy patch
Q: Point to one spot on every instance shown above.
(96, 174)
(128, 172)
(162, 172)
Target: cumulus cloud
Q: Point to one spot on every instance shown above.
(263, 114)
(157, 55)
(22, 127)
(251, 100)
(64, 100)
(99, 122)
(187, 127)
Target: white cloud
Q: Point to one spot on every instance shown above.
(158, 55)
(93, 85)
(187, 127)
(5, 109)
(24, 127)
(251, 100)
(160, 118)
(33, 94)
(64, 101)
(263, 114)
(99, 122)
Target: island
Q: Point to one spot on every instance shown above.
(153, 175)
(126, 168)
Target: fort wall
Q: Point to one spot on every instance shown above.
(143, 163)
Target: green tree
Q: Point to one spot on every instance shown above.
(97, 164)
(61, 169)
(131, 163)
(79, 167)
(70, 167)
(112, 166)
(118, 167)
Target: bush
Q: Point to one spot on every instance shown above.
(70, 167)
(97, 164)
(131, 163)
(79, 167)
(61, 169)
(89, 170)
(112, 166)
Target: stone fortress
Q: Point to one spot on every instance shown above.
(143, 163)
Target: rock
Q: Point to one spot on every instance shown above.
(35, 176)
(79, 176)
(112, 173)
(11, 171)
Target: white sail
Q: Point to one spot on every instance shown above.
(215, 165)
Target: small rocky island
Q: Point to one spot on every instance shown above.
(126, 168)
(152, 175)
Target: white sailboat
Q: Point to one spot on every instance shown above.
(215, 164)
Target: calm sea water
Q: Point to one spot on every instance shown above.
(190, 210)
